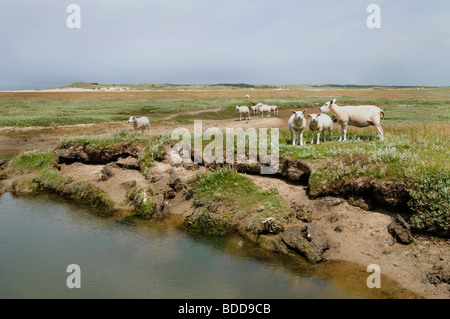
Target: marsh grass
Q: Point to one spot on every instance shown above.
(32, 161)
(243, 197)
(81, 191)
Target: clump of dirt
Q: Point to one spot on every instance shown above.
(368, 193)
(76, 152)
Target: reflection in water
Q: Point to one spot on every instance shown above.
(40, 236)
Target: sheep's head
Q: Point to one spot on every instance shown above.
(299, 114)
(132, 119)
(314, 117)
(327, 106)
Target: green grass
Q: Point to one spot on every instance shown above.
(242, 196)
(32, 161)
(81, 191)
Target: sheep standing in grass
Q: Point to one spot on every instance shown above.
(320, 123)
(358, 115)
(242, 110)
(297, 124)
(255, 109)
(140, 124)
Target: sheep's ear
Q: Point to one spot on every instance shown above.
(334, 101)
(304, 111)
(309, 115)
(319, 114)
(293, 111)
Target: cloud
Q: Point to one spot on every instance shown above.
(211, 41)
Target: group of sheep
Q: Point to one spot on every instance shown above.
(359, 116)
(256, 110)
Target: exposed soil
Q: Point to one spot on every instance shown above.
(354, 234)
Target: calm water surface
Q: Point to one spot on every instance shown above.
(40, 236)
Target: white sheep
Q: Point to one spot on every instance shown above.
(265, 109)
(274, 109)
(140, 124)
(320, 123)
(297, 124)
(242, 110)
(358, 115)
(247, 96)
(255, 109)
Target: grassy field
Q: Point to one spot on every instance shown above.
(415, 150)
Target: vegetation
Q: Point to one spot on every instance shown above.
(32, 161)
(152, 145)
(430, 201)
(81, 191)
(242, 197)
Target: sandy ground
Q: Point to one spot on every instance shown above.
(355, 235)
(362, 237)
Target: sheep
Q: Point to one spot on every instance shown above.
(242, 110)
(320, 122)
(140, 123)
(274, 109)
(255, 109)
(265, 108)
(297, 124)
(247, 96)
(359, 116)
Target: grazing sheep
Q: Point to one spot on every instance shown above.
(247, 96)
(297, 124)
(358, 115)
(140, 124)
(320, 123)
(265, 109)
(242, 110)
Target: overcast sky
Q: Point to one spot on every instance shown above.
(218, 41)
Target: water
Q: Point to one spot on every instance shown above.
(41, 236)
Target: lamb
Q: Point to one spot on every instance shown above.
(247, 96)
(265, 109)
(297, 124)
(320, 123)
(360, 116)
(140, 124)
(242, 110)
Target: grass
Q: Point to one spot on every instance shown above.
(41, 166)
(81, 191)
(241, 195)
(32, 161)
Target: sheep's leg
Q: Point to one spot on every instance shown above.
(300, 137)
(312, 137)
(293, 138)
(318, 137)
(343, 133)
(380, 130)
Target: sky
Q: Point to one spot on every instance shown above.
(216, 41)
